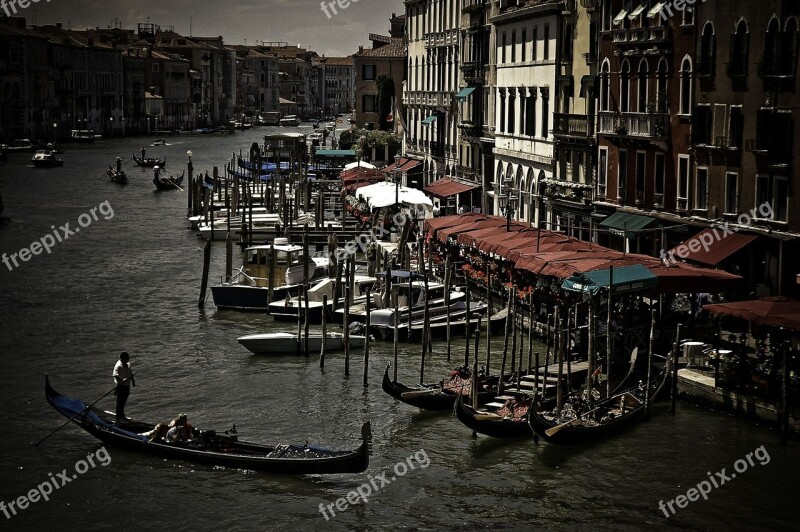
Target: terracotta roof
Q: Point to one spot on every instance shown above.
(338, 61)
(395, 48)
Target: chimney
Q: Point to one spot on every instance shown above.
(360, 49)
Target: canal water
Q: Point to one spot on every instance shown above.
(131, 282)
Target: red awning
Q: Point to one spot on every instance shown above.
(776, 311)
(711, 246)
(446, 187)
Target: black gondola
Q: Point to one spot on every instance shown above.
(117, 177)
(168, 183)
(497, 425)
(215, 449)
(585, 422)
(440, 396)
(149, 162)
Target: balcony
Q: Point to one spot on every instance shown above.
(728, 143)
(568, 190)
(473, 6)
(572, 125)
(443, 38)
(777, 151)
(473, 72)
(428, 98)
(641, 37)
(470, 131)
(650, 126)
(658, 200)
(774, 70)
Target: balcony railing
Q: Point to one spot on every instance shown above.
(573, 125)
(778, 151)
(728, 143)
(568, 190)
(658, 200)
(651, 126)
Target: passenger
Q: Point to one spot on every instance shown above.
(159, 432)
(179, 430)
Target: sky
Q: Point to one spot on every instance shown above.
(239, 22)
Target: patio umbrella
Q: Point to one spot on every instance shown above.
(778, 311)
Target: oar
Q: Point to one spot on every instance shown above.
(79, 413)
(557, 428)
(418, 393)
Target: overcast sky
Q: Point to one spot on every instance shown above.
(293, 21)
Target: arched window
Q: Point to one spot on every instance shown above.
(706, 52)
(769, 64)
(686, 86)
(605, 87)
(642, 89)
(662, 77)
(521, 204)
(625, 87)
(740, 50)
(789, 44)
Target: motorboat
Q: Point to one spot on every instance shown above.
(282, 343)
(46, 159)
(290, 121)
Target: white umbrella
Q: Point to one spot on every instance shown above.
(361, 164)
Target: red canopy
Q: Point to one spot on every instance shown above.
(776, 311)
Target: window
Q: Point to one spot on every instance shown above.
(735, 128)
(368, 103)
(530, 113)
(503, 49)
(642, 89)
(763, 190)
(546, 43)
(641, 168)
(512, 112)
(688, 16)
(720, 124)
(781, 207)
(534, 43)
(706, 52)
(607, 16)
(605, 87)
(701, 198)
(686, 86)
(602, 169)
(545, 112)
(769, 65)
(731, 192)
(625, 87)
(566, 50)
(683, 181)
(367, 72)
(661, 86)
(789, 48)
(740, 50)
(660, 175)
(156, 67)
(622, 174)
(524, 43)
(513, 46)
(502, 111)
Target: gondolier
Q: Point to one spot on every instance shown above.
(123, 378)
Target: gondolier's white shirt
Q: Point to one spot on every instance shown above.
(122, 372)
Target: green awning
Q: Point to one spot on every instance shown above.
(463, 93)
(626, 222)
(625, 279)
(428, 121)
(335, 153)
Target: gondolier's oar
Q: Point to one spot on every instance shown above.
(79, 413)
(557, 428)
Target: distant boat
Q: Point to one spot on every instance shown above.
(150, 162)
(83, 135)
(159, 142)
(282, 343)
(168, 183)
(270, 118)
(46, 159)
(117, 177)
(20, 145)
(290, 121)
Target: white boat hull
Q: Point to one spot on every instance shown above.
(288, 343)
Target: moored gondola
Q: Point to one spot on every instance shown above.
(580, 421)
(440, 396)
(208, 447)
(149, 162)
(508, 422)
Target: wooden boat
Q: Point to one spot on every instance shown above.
(282, 343)
(46, 159)
(508, 422)
(83, 135)
(288, 309)
(440, 396)
(20, 146)
(581, 421)
(290, 121)
(168, 183)
(149, 162)
(159, 142)
(208, 447)
(117, 177)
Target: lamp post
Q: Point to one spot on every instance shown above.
(55, 132)
(508, 199)
(111, 125)
(396, 179)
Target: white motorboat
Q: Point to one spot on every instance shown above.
(46, 159)
(282, 343)
(290, 121)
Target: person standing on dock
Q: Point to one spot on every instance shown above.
(123, 378)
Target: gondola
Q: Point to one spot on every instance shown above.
(117, 176)
(498, 425)
(582, 422)
(208, 447)
(168, 183)
(149, 162)
(438, 397)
